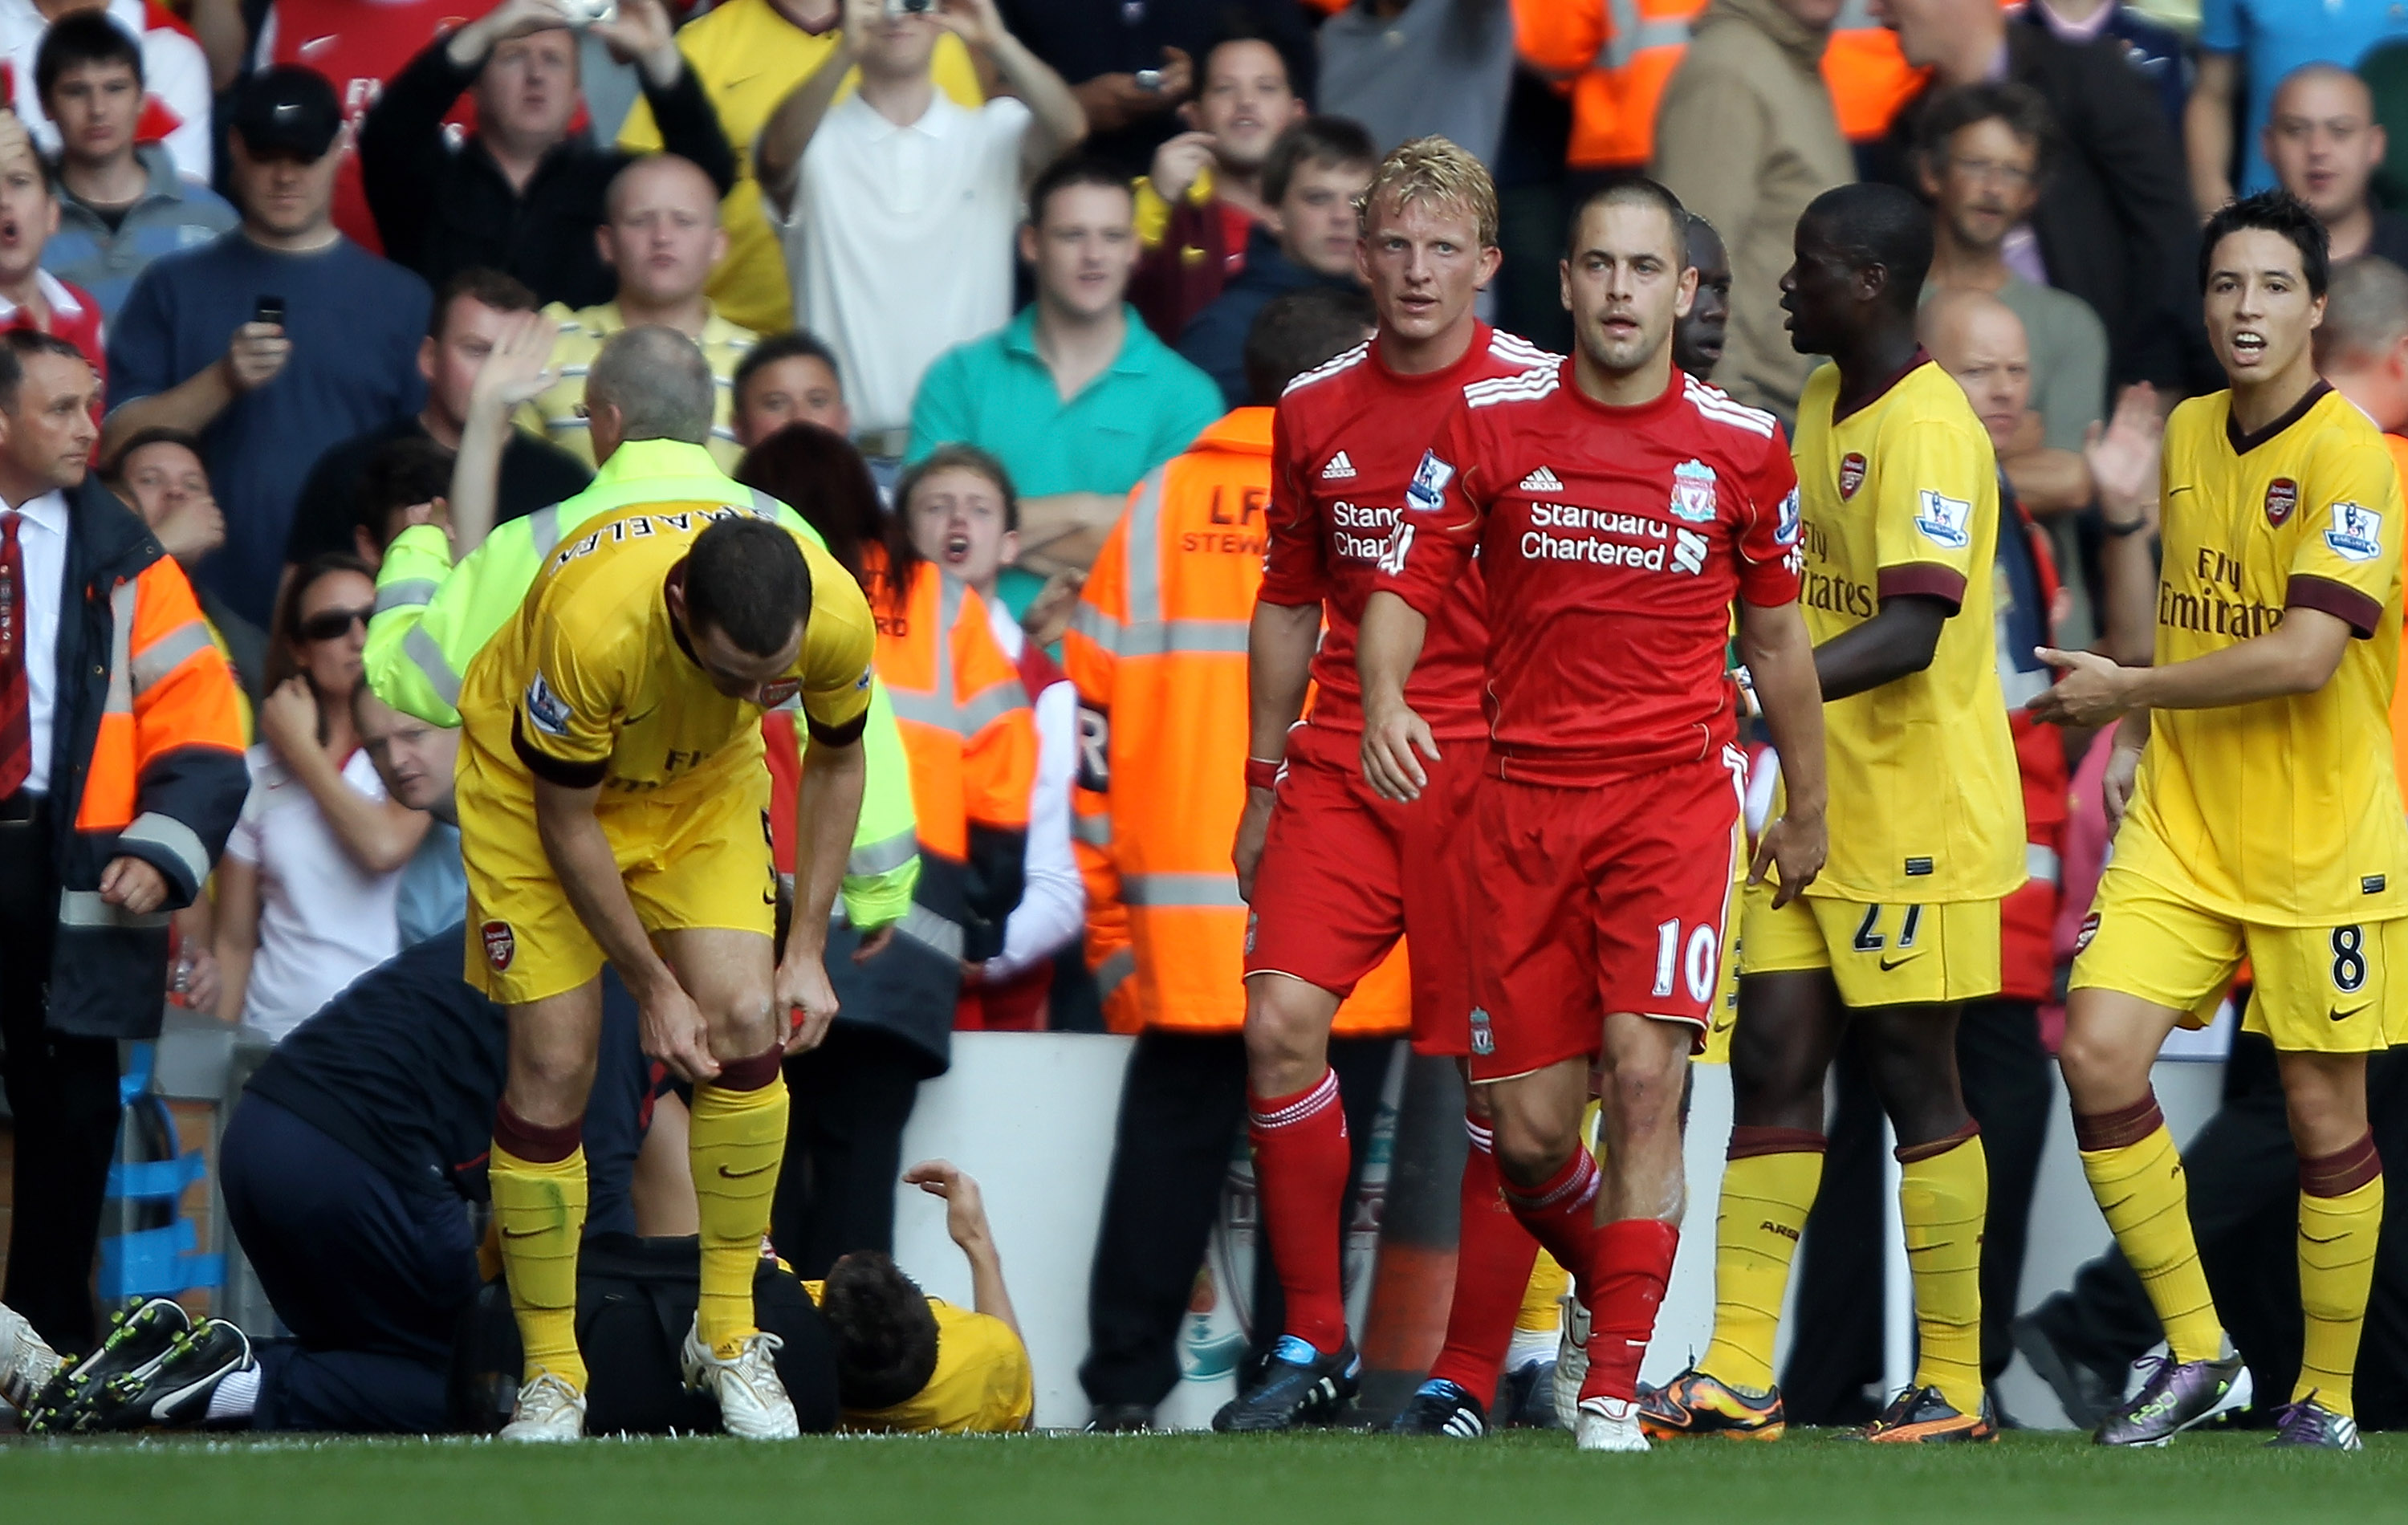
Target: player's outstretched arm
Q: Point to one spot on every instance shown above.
(1385, 650)
(827, 809)
(2297, 656)
(966, 1221)
(1780, 657)
(671, 1024)
(1279, 643)
(1898, 641)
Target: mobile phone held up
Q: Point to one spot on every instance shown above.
(910, 8)
(587, 12)
(269, 310)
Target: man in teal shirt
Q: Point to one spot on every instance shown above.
(1075, 395)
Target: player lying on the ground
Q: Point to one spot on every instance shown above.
(1618, 509)
(1335, 874)
(2259, 818)
(1899, 494)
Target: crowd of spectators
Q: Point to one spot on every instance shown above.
(342, 274)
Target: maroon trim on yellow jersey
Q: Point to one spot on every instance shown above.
(2244, 443)
(1923, 579)
(2360, 612)
(1845, 407)
(551, 769)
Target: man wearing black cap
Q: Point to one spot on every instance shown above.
(274, 340)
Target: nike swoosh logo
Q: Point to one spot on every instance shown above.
(2343, 1016)
(726, 1175)
(2181, 488)
(2314, 1240)
(513, 1234)
(1888, 964)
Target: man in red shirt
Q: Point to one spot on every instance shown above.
(1618, 509)
(1335, 875)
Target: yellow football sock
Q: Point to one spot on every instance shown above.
(1943, 1199)
(2337, 1235)
(738, 1139)
(1543, 1300)
(1766, 1198)
(539, 1208)
(2140, 1188)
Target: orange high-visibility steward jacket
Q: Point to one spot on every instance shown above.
(1157, 650)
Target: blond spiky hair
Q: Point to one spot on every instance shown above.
(1439, 173)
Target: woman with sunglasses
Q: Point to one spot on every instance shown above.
(306, 887)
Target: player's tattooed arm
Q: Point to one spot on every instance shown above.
(1386, 649)
(670, 1024)
(1280, 644)
(1898, 641)
(1780, 655)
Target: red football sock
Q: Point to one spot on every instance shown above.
(1493, 1258)
(1634, 1260)
(1300, 1160)
(1561, 1215)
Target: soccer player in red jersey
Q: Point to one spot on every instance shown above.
(1618, 509)
(1334, 873)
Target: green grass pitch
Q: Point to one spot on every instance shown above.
(1314, 1479)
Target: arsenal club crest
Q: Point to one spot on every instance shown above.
(1852, 473)
(2282, 496)
(501, 946)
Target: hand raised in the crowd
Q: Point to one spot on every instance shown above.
(191, 529)
(288, 720)
(133, 885)
(1179, 162)
(2123, 454)
(977, 23)
(256, 353)
(1113, 101)
(1796, 845)
(2093, 692)
(965, 1205)
(1049, 613)
(643, 34)
(472, 42)
(518, 368)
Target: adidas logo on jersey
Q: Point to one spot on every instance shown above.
(1541, 481)
(1339, 468)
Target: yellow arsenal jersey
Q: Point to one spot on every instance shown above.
(2284, 811)
(1900, 498)
(591, 682)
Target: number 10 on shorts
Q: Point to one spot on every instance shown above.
(1698, 965)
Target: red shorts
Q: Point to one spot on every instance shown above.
(1345, 874)
(1596, 900)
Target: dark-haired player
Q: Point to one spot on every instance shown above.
(1334, 873)
(1899, 497)
(908, 1363)
(2260, 819)
(1618, 509)
(612, 803)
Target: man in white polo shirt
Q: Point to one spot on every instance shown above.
(897, 206)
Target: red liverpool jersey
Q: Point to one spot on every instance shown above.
(1613, 541)
(1344, 445)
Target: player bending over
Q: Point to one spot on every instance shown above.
(613, 803)
(1335, 874)
(2260, 818)
(1899, 495)
(1617, 508)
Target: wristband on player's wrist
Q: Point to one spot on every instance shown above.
(2114, 531)
(1261, 774)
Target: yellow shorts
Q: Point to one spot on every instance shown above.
(1724, 1015)
(2315, 989)
(1878, 955)
(700, 861)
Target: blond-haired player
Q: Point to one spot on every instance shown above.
(1335, 874)
(2260, 818)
